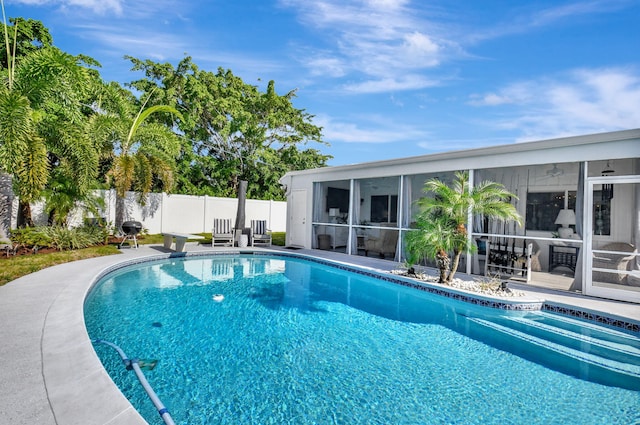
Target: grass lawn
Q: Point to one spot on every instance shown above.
(15, 267)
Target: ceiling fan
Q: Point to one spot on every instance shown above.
(555, 171)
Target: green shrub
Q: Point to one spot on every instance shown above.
(278, 238)
(59, 237)
(31, 237)
(98, 234)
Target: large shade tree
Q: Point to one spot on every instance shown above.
(442, 219)
(234, 131)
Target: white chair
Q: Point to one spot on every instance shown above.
(260, 235)
(222, 233)
(614, 260)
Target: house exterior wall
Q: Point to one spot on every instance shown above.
(524, 168)
(612, 146)
(305, 180)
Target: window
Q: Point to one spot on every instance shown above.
(543, 209)
(338, 198)
(384, 208)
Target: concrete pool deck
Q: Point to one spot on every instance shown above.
(50, 374)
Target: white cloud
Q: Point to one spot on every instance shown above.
(386, 4)
(120, 8)
(406, 82)
(377, 39)
(525, 22)
(489, 99)
(516, 93)
(96, 6)
(154, 45)
(420, 45)
(370, 129)
(562, 12)
(383, 39)
(580, 102)
(327, 66)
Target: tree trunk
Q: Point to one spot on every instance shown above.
(462, 230)
(6, 205)
(120, 211)
(24, 215)
(240, 214)
(454, 266)
(443, 262)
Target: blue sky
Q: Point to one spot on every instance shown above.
(388, 78)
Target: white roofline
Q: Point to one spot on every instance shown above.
(572, 141)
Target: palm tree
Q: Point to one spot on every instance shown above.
(442, 219)
(141, 154)
(41, 119)
(433, 238)
(63, 194)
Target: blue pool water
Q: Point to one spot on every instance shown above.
(298, 342)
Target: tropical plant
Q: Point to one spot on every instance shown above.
(433, 238)
(27, 35)
(62, 194)
(141, 153)
(442, 219)
(59, 237)
(41, 114)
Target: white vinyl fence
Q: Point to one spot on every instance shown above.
(179, 213)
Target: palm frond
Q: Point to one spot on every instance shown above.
(33, 171)
(146, 113)
(143, 175)
(16, 126)
(122, 174)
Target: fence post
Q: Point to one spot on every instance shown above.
(162, 207)
(204, 215)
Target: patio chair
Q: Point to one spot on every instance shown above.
(615, 261)
(260, 235)
(384, 246)
(222, 232)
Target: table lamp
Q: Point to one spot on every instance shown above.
(565, 219)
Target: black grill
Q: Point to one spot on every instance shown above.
(131, 228)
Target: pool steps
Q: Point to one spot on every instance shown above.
(571, 323)
(614, 351)
(614, 347)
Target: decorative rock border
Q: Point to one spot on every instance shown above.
(591, 316)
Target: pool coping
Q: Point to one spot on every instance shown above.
(59, 378)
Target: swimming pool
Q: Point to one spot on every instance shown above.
(302, 342)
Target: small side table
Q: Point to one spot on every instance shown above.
(324, 242)
(563, 256)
